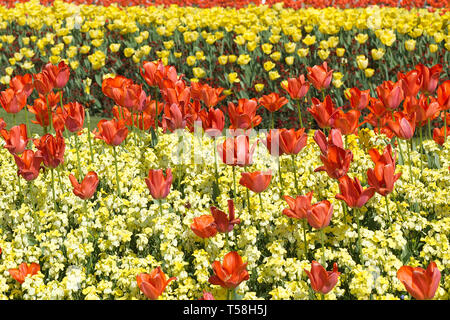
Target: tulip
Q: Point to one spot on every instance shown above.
(321, 280)
(60, 74)
(403, 126)
(204, 226)
(292, 141)
(296, 87)
(75, 116)
(347, 123)
(440, 134)
(322, 111)
(13, 101)
(430, 77)
(336, 162)
(40, 110)
(421, 284)
(236, 151)
(243, 116)
(320, 76)
(22, 84)
(352, 192)
(44, 82)
(153, 284)
(88, 186)
(223, 223)
(412, 82)
(111, 87)
(2, 124)
(174, 118)
(443, 97)
(113, 132)
(257, 181)
(334, 139)
(272, 102)
(210, 96)
(391, 94)
(213, 121)
(29, 164)
(359, 100)
(320, 214)
(24, 271)
(158, 185)
(231, 273)
(16, 139)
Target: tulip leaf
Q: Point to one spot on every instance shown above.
(98, 78)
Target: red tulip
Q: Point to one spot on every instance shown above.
(150, 69)
(421, 284)
(352, 192)
(292, 141)
(257, 181)
(59, 119)
(60, 74)
(204, 226)
(347, 123)
(272, 142)
(336, 162)
(430, 77)
(87, 188)
(153, 284)
(112, 87)
(439, 135)
(322, 111)
(359, 100)
(213, 121)
(13, 101)
(428, 109)
(320, 214)
(320, 76)
(29, 164)
(273, 102)
(243, 116)
(52, 149)
(297, 87)
(298, 207)
(231, 273)
(16, 139)
(383, 159)
(23, 271)
(443, 95)
(412, 82)
(74, 117)
(22, 84)
(177, 92)
(130, 96)
(382, 178)
(391, 94)
(159, 185)
(40, 110)
(321, 280)
(334, 139)
(403, 126)
(210, 96)
(223, 223)
(174, 118)
(44, 82)
(236, 151)
(113, 132)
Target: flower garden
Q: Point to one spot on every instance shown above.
(224, 150)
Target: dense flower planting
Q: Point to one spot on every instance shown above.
(189, 192)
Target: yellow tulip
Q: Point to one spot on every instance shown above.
(199, 72)
(18, 56)
(303, 52)
(361, 38)
(55, 59)
(362, 62)
(276, 56)
(128, 52)
(200, 55)
(67, 39)
(333, 42)
(289, 60)
(274, 38)
(267, 48)
(26, 40)
(240, 40)
(27, 65)
(433, 48)
(251, 46)
(74, 64)
(168, 44)
(369, 72)
(323, 54)
(269, 65)
(114, 47)
(177, 54)
(9, 70)
(244, 59)
(191, 60)
(337, 83)
(85, 49)
(259, 87)
(309, 40)
(289, 47)
(97, 42)
(340, 52)
(377, 54)
(232, 58)
(410, 45)
(233, 77)
(223, 60)
(273, 75)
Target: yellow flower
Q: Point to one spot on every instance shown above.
(274, 75)
(5, 79)
(85, 49)
(323, 54)
(251, 46)
(146, 49)
(259, 87)
(136, 59)
(296, 37)
(309, 40)
(27, 65)
(12, 61)
(269, 65)
(377, 54)
(74, 64)
(309, 28)
(114, 47)
(302, 53)
(139, 39)
(337, 75)
(337, 83)
(54, 59)
(267, 48)
(26, 40)
(9, 71)
(388, 37)
(340, 52)
(240, 40)
(244, 59)
(67, 39)
(200, 55)
(289, 60)
(232, 58)
(369, 72)
(433, 48)
(333, 42)
(222, 60)
(362, 62)
(128, 52)
(227, 92)
(323, 45)
(438, 37)
(191, 60)
(18, 56)
(199, 72)
(410, 45)
(361, 38)
(289, 47)
(276, 56)
(274, 38)
(177, 54)
(97, 42)
(233, 77)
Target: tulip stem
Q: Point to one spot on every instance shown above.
(53, 189)
(77, 146)
(248, 202)
(215, 165)
(89, 135)
(387, 209)
(14, 119)
(420, 152)
(445, 126)
(260, 202)
(361, 258)
(299, 113)
(429, 129)
(410, 161)
(305, 243)
(117, 173)
(160, 208)
(344, 205)
(272, 120)
(49, 113)
(295, 173)
(281, 177)
(234, 181)
(323, 246)
(26, 118)
(400, 148)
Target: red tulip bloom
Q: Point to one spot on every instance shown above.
(207, 296)
(382, 178)
(297, 87)
(385, 158)
(158, 185)
(24, 271)
(336, 162)
(347, 123)
(403, 126)
(320, 214)
(44, 82)
(320, 76)
(292, 141)
(13, 101)
(236, 151)
(334, 139)
(52, 149)
(430, 77)
(74, 117)
(213, 121)
(231, 273)
(359, 100)
(443, 95)
(272, 142)
(87, 188)
(439, 135)
(243, 116)
(150, 69)
(174, 118)
(412, 82)
(321, 280)
(209, 95)
(352, 192)
(130, 96)
(204, 226)
(40, 110)
(391, 94)
(112, 87)
(29, 164)
(177, 92)
(113, 132)
(298, 207)
(322, 111)
(256, 181)
(155, 73)
(153, 284)
(223, 223)
(59, 119)
(22, 84)
(427, 109)
(421, 284)
(60, 74)
(273, 102)
(16, 139)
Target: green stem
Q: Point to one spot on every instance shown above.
(410, 161)
(429, 129)
(361, 258)
(248, 202)
(14, 119)
(53, 189)
(401, 152)
(89, 135)
(300, 113)
(215, 165)
(234, 182)
(272, 120)
(260, 202)
(50, 122)
(387, 209)
(281, 177)
(420, 152)
(445, 126)
(344, 205)
(117, 172)
(160, 208)
(323, 247)
(305, 242)
(295, 173)
(77, 147)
